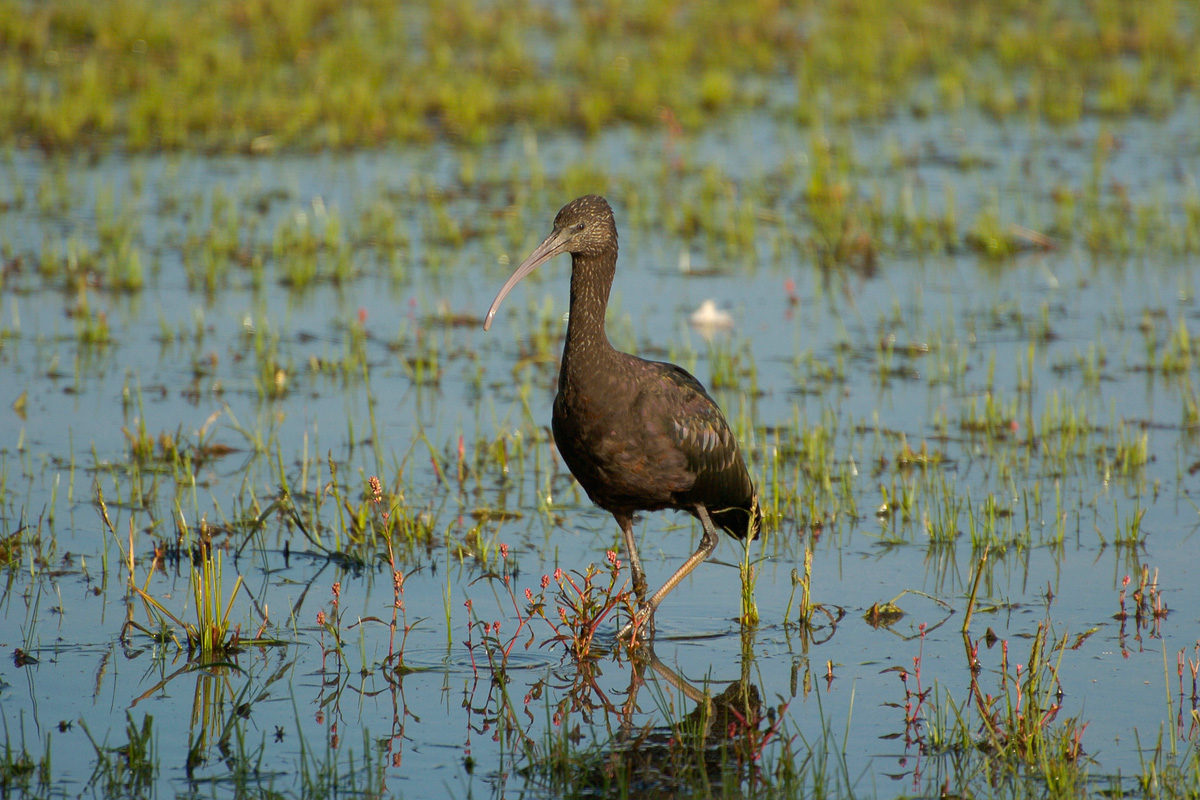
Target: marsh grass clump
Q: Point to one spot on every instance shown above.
(1018, 722)
(19, 768)
(748, 572)
(11, 548)
(211, 635)
(733, 368)
(177, 453)
(843, 64)
(1011, 728)
(92, 330)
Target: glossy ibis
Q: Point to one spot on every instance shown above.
(638, 435)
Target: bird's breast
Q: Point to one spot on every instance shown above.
(620, 460)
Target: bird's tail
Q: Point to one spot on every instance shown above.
(741, 522)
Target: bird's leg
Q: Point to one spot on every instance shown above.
(635, 563)
(707, 544)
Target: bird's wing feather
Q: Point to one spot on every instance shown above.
(701, 433)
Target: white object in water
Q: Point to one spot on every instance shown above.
(710, 317)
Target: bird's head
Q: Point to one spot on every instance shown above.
(582, 227)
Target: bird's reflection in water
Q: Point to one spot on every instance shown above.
(693, 738)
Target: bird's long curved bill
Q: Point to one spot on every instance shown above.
(554, 244)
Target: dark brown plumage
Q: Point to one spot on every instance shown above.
(638, 435)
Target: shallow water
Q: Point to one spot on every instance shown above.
(1046, 329)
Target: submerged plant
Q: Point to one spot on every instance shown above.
(1018, 722)
(583, 605)
(1149, 608)
(749, 575)
(211, 635)
(806, 619)
(582, 601)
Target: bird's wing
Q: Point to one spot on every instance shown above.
(700, 431)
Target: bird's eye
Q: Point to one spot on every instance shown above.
(579, 226)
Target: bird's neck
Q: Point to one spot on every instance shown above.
(587, 345)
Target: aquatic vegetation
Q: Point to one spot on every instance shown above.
(247, 404)
(211, 636)
(239, 64)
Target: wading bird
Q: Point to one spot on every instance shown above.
(638, 435)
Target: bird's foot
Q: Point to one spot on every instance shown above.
(640, 627)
